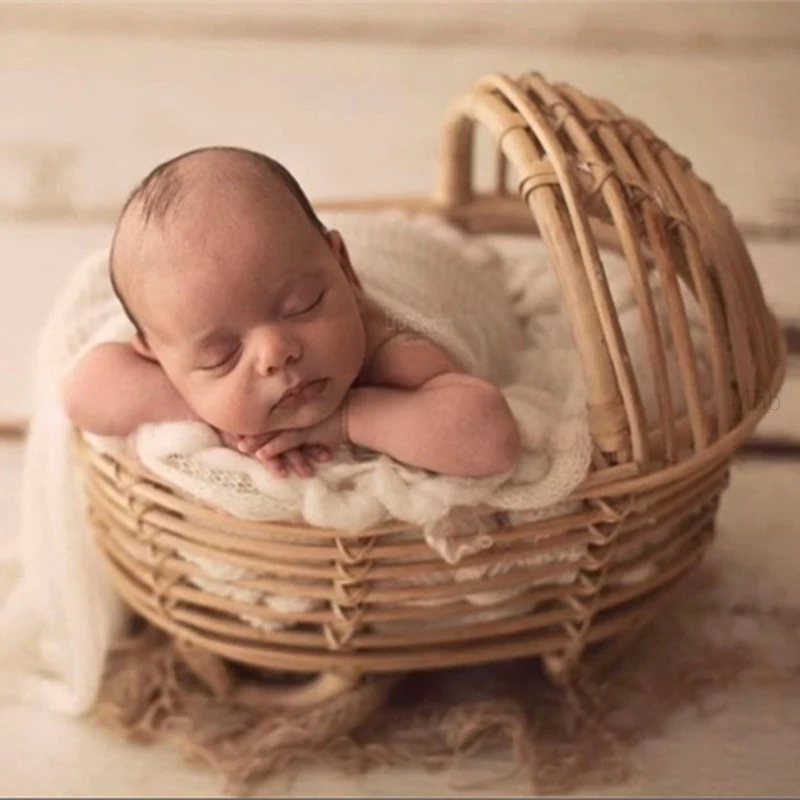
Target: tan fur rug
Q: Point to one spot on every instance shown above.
(708, 645)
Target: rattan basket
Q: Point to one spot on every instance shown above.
(581, 175)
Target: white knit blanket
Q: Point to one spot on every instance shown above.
(428, 277)
(502, 319)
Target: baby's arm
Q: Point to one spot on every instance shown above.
(112, 390)
(428, 413)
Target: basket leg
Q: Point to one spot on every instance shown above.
(320, 689)
(214, 672)
(594, 660)
(608, 654)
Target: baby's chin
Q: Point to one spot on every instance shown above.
(306, 416)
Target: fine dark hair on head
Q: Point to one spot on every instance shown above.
(160, 191)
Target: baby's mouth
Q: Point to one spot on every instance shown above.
(301, 393)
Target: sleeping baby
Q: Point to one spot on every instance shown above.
(250, 317)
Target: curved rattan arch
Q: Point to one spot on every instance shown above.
(581, 161)
(588, 177)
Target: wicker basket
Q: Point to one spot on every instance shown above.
(582, 175)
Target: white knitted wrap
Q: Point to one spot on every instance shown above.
(430, 278)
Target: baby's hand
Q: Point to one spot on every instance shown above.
(298, 459)
(289, 447)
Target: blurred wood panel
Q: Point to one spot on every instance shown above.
(35, 261)
(351, 96)
(86, 113)
(85, 117)
(687, 26)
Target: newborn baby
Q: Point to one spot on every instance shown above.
(250, 317)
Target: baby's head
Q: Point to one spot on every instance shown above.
(238, 291)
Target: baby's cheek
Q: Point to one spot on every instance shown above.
(230, 408)
(341, 347)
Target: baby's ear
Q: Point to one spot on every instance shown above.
(140, 346)
(339, 248)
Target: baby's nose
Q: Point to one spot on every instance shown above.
(276, 353)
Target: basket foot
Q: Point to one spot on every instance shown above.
(320, 689)
(563, 668)
(215, 673)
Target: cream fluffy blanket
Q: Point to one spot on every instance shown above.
(502, 319)
(430, 278)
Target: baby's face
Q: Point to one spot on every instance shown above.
(248, 310)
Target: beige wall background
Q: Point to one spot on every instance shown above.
(350, 95)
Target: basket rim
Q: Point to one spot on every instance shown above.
(613, 482)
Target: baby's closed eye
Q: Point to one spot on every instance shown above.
(220, 358)
(303, 303)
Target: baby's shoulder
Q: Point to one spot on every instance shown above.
(400, 356)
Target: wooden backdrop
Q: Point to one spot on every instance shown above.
(350, 96)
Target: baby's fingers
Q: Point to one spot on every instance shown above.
(298, 461)
(279, 445)
(318, 452)
(251, 444)
(277, 466)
